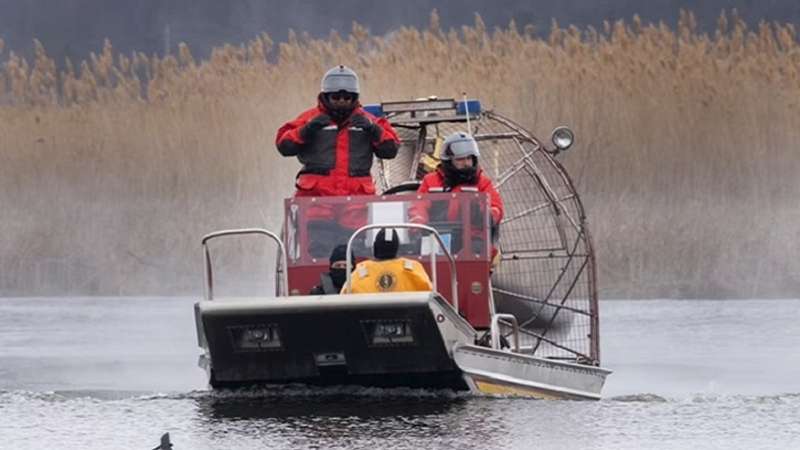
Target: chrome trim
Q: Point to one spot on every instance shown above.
(495, 330)
(209, 277)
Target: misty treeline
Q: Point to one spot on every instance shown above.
(686, 158)
(71, 29)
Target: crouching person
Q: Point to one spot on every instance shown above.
(331, 282)
(388, 273)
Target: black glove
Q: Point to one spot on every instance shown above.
(369, 127)
(314, 125)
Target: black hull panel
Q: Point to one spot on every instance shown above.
(327, 342)
(433, 380)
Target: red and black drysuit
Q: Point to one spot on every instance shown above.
(436, 182)
(337, 160)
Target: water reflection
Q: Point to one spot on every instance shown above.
(350, 417)
(329, 406)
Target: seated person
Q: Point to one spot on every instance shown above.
(459, 171)
(331, 282)
(388, 273)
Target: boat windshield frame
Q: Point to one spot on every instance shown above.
(468, 236)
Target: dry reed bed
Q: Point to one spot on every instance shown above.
(686, 159)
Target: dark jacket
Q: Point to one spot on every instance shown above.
(326, 286)
(337, 149)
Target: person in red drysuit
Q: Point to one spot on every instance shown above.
(336, 141)
(459, 172)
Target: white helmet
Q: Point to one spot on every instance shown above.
(459, 145)
(340, 78)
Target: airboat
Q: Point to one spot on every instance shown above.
(522, 321)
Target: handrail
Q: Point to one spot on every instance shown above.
(453, 279)
(494, 330)
(209, 279)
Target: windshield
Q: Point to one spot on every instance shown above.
(315, 225)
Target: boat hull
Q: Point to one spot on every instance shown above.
(490, 371)
(333, 340)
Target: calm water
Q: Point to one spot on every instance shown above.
(117, 373)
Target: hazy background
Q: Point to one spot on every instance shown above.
(73, 28)
(111, 170)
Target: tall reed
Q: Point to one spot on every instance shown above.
(111, 168)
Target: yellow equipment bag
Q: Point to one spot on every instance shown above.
(392, 275)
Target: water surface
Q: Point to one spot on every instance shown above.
(118, 372)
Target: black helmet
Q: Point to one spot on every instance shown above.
(339, 253)
(386, 245)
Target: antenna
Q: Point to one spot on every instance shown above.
(167, 40)
(466, 109)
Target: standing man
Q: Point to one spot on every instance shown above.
(335, 141)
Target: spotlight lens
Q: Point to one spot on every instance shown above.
(563, 138)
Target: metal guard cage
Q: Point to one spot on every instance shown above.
(547, 274)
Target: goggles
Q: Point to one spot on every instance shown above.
(343, 96)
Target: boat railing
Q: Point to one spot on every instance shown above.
(280, 287)
(495, 330)
(432, 231)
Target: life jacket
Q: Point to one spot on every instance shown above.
(391, 275)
